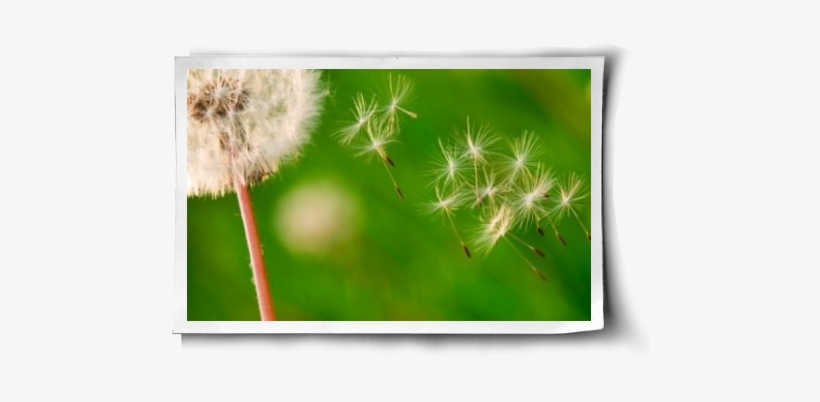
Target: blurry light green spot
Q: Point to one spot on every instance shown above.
(317, 217)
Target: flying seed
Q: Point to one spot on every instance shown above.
(539, 252)
(466, 250)
(398, 191)
(390, 161)
(540, 231)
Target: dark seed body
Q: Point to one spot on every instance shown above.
(538, 252)
(398, 191)
(540, 274)
(540, 231)
(466, 250)
(561, 238)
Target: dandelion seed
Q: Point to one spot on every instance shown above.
(400, 91)
(524, 151)
(497, 226)
(560, 238)
(490, 189)
(447, 205)
(532, 248)
(379, 135)
(535, 270)
(449, 166)
(466, 250)
(554, 229)
(571, 192)
(477, 141)
(374, 127)
(528, 198)
(522, 195)
(376, 144)
(363, 111)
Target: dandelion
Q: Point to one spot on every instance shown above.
(242, 125)
(447, 206)
(571, 192)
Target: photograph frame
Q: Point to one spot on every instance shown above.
(182, 325)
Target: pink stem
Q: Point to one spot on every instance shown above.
(260, 277)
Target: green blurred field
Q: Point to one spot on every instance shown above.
(397, 263)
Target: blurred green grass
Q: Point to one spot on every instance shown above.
(402, 264)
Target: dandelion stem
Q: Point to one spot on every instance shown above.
(260, 278)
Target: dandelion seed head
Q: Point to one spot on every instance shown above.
(217, 99)
(243, 124)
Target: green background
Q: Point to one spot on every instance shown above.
(401, 263)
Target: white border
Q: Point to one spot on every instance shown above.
(182, 325)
